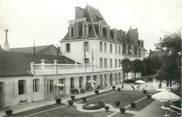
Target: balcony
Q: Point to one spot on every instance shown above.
(50, 69)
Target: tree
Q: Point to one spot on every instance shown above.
(171, 46)
(126, 67)
(151, 65)
(137, 66)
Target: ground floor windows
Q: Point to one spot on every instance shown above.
(21, 87)
(35, 85)
(49, 86)
(72, 83)
(81, 82)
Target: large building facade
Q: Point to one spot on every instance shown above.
(90, 41)
(90, 51)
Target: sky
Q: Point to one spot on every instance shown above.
(46, 21)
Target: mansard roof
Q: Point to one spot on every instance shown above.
(18, 64)
(94, 16)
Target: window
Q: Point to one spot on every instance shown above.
(118, 62)
(85, 30)
(135, 51)
(95, 77)
(104, 32)
(105, 63)
(72, 31)
(100, 46)
(110, 63)
(61, 81)
(115, 62)
(86, 60)
(80, 82)
(119, 49)
(35, 85)
(72, 80)
(124, 49)
(21, 87)
(110, 48)
(116, 49)
(101, 63)
(51, 86)
(86, 46)
(105, 47)
(67, 47)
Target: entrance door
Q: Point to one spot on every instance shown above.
(1, 94)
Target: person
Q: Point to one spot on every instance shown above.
(133, 87)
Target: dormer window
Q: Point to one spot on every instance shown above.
(112, 34)
(104, 32)
(71, 31)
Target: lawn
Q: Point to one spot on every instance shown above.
(141, 104)
(123, 115)
(70, 111)
(125, 97)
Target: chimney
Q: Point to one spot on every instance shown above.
(6, 44)
(115, 34)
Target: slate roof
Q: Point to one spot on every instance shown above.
(30, 50)
(93, 15)
(18, 64)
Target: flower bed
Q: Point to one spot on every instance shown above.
(93, 106)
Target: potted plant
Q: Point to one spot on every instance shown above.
(122, 110)
(106, 108)
(96, 91)
(72, 97)
(84, 99)
(149, 96)
(113, 87)
(117, 103)
(58, 101)
(144, 91)
(9, 112)
(70, 102)
(119, 89)
(133, 105)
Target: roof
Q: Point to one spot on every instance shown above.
(18, 64)
(93, 16)
(30, 50)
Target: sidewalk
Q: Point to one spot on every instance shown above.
(152, 110)
(29, 106)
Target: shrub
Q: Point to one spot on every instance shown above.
(58, 100)
(94, 106)
(144, 91)
(72, 97)
(9, 112)
(70, 102)
(84, 99)
(113, 87)
(106, 108)
(96, 91)
(133, 105)
(149, 96)
(117, 103)
(119, 89)
(122, 110)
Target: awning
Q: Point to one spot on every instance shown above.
(59, 85)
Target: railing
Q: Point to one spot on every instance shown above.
(47, 69)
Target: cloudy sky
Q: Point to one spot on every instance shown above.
(46, 21)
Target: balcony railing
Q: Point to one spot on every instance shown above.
(55, 68)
